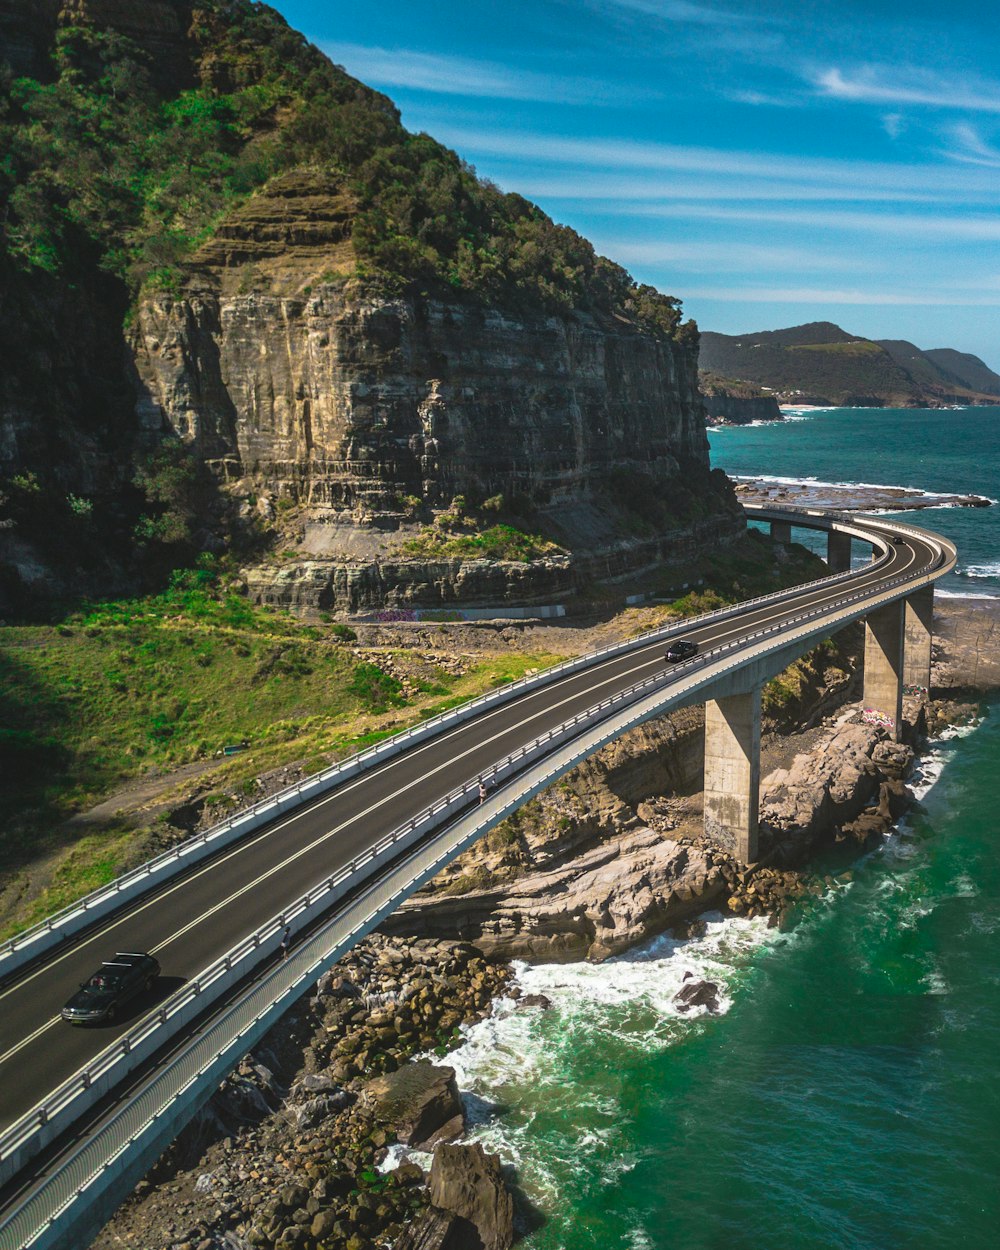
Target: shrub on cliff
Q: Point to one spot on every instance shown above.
(109, 165)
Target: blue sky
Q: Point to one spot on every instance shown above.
(770, 164)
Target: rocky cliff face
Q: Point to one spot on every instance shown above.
(299, 386)
(729, 402)
(740, 410)
(350, 353)
(334, 400)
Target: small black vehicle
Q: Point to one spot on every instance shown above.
(898, 540)
(681, 649)
(115, 983)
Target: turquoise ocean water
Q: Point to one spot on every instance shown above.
(847, 1096)
(949, 451)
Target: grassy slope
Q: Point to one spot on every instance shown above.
(830, 364)
(136, 688)
(130, 689)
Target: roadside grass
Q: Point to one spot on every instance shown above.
(129, 690)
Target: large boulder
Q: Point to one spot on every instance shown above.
(420, 1102)
(434, 1230)
(468, 1182)
(698, 994)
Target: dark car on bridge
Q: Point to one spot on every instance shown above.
(681, 649)
(114, 984)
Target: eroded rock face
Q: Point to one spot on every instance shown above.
(294, 383)
(468, 1182)
(343, 400)
(825, 787)
(599, 904)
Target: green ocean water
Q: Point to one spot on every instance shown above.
(846, 1096)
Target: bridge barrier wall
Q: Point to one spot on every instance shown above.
(643, 700)
(35, 942)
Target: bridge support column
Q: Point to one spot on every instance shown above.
(883, 696)
(781, 531)
(732, 772)
(918, 629)
(838, 551)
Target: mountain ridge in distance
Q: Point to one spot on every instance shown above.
(819, 362)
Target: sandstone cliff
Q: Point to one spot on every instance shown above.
(736, 403)
(300, 387)
(254, 261)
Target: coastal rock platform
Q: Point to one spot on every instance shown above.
(849, 496)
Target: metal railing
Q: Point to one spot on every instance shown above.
(32, 943)
(63, 1105)
(234, 1032)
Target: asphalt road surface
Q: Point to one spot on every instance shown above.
(194, 920)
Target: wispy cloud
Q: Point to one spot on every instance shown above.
(884, 85)
(827, 296)
(731, 256)
(893, 124)
(455, 75)
(685, 11)
(758, 99)
(970, 147)
(815, 177)
(924, 228)
(704, 29)
(620, 191)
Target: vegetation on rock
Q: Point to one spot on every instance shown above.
(108, 166)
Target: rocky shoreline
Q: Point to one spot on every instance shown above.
(851, 497)
(344, 1130)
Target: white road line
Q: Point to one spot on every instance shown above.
(407, 756)
(808, 600)
(385, 798)
(26, 1041)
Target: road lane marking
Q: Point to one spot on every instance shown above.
(279, 867)
(748, 623)
(25, 1041)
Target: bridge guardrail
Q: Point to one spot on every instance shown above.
(39, 939)
(65, 1104)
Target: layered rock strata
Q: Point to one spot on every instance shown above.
(600, 900)
(299, 387)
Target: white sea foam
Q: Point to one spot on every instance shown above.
(980, 570)
(966, 594)
(519, 1070)
(525, 1057)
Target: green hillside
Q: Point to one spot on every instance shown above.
(113, 165)
(821, 363)
(970, 370)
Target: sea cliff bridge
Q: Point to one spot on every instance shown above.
(84, 1113)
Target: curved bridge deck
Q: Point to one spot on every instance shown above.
(333, 866)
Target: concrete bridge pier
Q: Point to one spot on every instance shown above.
(781, 531)
(838, 551)
(883, 692)
(732, 772)
(918, 630)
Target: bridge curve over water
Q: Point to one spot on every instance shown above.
(333, 857)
